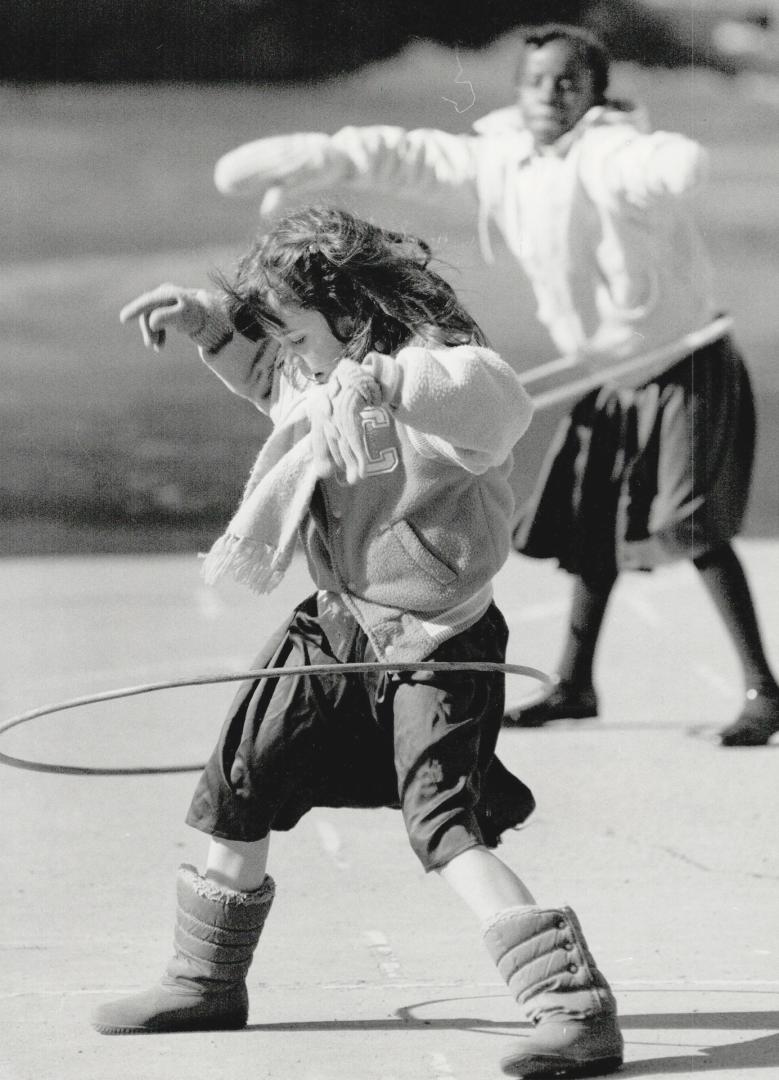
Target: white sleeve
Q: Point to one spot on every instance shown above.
(464, 402)
(643, 167)
(420, 160)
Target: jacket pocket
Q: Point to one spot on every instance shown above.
(429, 563)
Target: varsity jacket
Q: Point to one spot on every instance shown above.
(412, 548)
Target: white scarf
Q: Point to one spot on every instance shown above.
(259, 542)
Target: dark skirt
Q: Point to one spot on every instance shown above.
(422, 742)
(638, 478)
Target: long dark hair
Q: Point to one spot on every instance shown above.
(357, 275)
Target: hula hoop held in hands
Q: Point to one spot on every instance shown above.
(206, 680)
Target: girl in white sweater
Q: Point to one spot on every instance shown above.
(655, 463)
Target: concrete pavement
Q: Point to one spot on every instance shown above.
(663, 842)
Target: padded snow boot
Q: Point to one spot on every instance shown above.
(542, 955)
(204, 985)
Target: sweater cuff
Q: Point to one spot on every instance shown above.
(388, 374)
(246, 324)
(215, 333)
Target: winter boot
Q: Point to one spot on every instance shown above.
(204, 985)
(543, 957)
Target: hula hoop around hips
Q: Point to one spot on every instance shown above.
(206, 680)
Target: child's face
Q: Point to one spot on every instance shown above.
(555, 90)
(308, 342)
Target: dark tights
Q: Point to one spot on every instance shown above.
(588, 608)
(722, 574)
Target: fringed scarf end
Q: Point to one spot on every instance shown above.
(249, 562)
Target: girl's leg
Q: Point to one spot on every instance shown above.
(723, 575)
(444, 738)
(588, 610)
(237, 864)
(545, 960)
(485, 883)
(574, 696)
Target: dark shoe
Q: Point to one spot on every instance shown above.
(757, 721)
(565, 702)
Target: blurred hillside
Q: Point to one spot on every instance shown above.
(288, 40)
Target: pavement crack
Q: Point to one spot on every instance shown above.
(715, 869)
(682, 856)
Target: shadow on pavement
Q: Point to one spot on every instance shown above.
(404, 1017)
(754, 1053)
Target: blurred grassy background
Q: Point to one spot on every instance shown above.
(108, 191)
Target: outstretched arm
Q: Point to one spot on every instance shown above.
(199, 314)
(244, 359)
(413, 162)
(643, 167)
